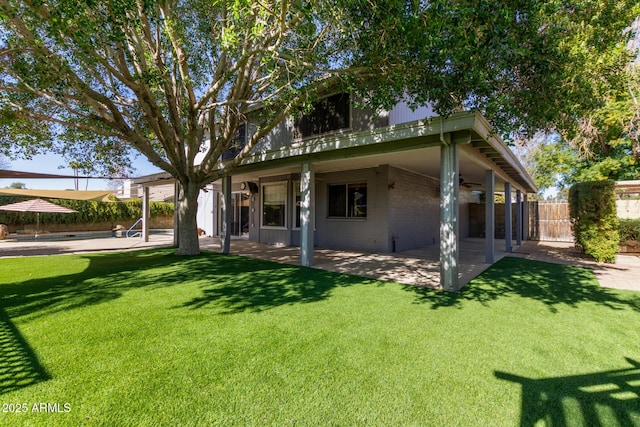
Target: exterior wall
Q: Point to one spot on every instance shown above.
(282, 135)
(466, 197)
(366, 119)
(628, 209)
(401, 113)
(206, 218)
(414, 210)
(254, 216)
(403, 212)
(370, 234)
(476, 220)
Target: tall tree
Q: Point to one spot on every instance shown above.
(554, 162)
(176, 78)
(604, 143)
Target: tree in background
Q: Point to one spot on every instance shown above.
(603, 143)
(175, 79)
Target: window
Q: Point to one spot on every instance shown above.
(237, 144)
(348, 201)
(274, 205)
(328, 115)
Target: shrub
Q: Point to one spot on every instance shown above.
(592, 207)
(88, 211)
(629, 230)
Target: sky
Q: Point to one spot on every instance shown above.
(51, 163)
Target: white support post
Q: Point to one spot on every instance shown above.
(227, 212)
(518, 217)
(490, 217)
(508, 235)
(307, 208)
(525, 218)
(145, 213)
(449, 189)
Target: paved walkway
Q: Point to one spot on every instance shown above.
(419, 267)
(624, 274)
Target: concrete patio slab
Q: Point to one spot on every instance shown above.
(417, 267)
(414, 267)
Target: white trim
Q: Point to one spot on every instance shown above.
(367, 137)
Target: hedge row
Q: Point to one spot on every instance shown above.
(88, 211)
(629, 230)
(592, 207)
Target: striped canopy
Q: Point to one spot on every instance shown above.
(36, 205)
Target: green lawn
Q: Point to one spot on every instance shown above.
(148, 338)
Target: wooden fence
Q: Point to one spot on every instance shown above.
(548, 221)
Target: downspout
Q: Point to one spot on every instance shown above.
(442, 133)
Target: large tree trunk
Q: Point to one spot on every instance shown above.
(187, 209)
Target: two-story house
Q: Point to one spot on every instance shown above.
(344, 177)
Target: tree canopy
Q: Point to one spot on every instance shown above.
(604, 144)
(174, 79)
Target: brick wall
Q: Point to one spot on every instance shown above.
(414, 209)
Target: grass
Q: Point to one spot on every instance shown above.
(149, 338)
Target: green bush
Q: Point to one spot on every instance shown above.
(629, 230)
(592, 207)
(88, 211)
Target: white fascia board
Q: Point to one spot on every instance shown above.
(416, 129)
(484, 129)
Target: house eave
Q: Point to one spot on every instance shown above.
(405, 136)
(501, 155)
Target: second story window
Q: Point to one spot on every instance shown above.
(237, 144)
(328, 115)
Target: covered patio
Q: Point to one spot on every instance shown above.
(461, 153)
(420, 267)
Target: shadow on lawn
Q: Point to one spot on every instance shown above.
(229, 283)
(551, 284)
(105, 278)
(269, 285)
(596, 399)
(19, 366)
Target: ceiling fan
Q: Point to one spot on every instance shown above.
(465, 184)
